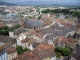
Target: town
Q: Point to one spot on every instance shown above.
(39, 33)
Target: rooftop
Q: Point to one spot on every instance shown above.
(29, 56)
(11, 50)
(45, 46)
(76, 56)
(46, 53)
(6, 39)
(35, 23)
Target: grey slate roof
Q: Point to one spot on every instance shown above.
(35, 23)
(55, 31)
(76, 56)
(5, 39)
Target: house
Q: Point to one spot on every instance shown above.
(15, 33)
(52, 16)
(47, 54)
(29, 56)
(63, 41)
(47, 21)
(11, 14)
(45, 51)
(77, 35)
(3, 54)
(2, 24)
(55, 30)
(60, 41)
(78, 38)
(12, 53)
(71, 42)
(34, 24)
(1, 9)
(44, 46)
(75, 56)
(45, 15)
(23, 41)
(63, 22)
(7, 40)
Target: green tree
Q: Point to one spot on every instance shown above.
(58, 54)
(39, 17)
(21, 50)
(64, 51)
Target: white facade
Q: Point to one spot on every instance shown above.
(53, 58)
(24, 45)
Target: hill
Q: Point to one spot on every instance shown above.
(8, 4)
(47, 3)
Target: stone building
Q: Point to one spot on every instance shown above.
(34, 24)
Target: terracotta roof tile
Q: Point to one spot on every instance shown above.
(44, 46)
(29, 56)
(11, 50)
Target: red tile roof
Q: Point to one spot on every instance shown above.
(68, 41)
(45, 46)
(28, 56)
(11, 50)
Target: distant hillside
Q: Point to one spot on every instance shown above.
(8, 4)
(47, 3)
(32, 3)
(35, 3)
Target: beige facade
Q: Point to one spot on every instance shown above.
(46, 58)
(12, 56)
(12, 35)
(78, 31)
(12, 53)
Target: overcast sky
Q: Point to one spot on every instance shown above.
(41, 0)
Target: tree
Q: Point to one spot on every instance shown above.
(39, 17)
(64, 51)
(58, 54)
(26, 49)
(21, 50)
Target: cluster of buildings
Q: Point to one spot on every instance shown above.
(40, 36)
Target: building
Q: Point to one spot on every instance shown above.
(45, 51)
(1, 9)
(7, 40)
(15, 33)
(47, 54)
(28, 56)
(77, 35)
(44, 46)
(34, 24)
(24, 42)
(63, 41)
(78, 38)
(2, 24)
(75, 56)
(71, 42)
(3, 54)
(60, 41)
(12, 53)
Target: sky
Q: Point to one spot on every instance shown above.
(12, 1)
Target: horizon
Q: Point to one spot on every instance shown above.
(14, 1)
